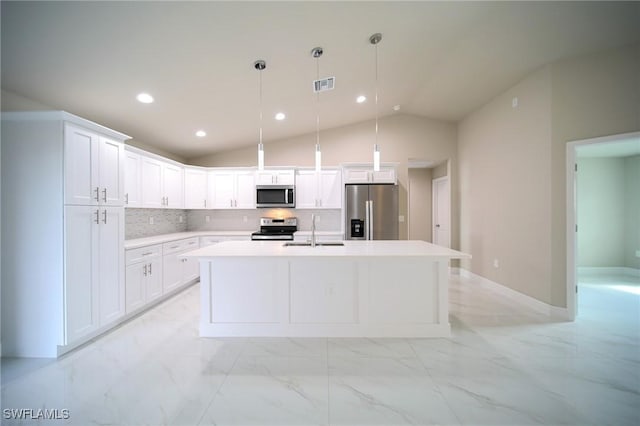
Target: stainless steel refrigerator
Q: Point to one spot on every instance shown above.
(371, 212)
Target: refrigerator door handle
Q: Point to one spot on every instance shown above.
(371, 220)
(367, 219)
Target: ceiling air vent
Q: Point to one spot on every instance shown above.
(324, 84)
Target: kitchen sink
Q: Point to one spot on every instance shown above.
(307, 244)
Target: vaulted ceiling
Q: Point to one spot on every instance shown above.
(437, 59)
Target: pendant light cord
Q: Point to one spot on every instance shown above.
(260, 108)
(317, 104)
(376, 47)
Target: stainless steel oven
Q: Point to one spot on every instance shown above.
(269, 196)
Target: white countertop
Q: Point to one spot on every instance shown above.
(159, 239)
(400, 248)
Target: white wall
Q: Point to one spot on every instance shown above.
(632, 211)
(420, 204)
(601, 212)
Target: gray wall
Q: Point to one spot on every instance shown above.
(632, 211)
(420, 204)
(165, 221)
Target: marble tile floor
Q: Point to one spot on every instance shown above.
(504, 365)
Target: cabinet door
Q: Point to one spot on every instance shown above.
(191, 269)
(195, 189)
(330, 189)
(111, 264)
(135, 278)
(285, 177)
(356, 176)
(265, 178)
(154, 279)
(307, 189)
(80, 166)
(173, 186)
(171, 272)
(385, 175)
(224, 183)
(81, 271)
(152, 195)
(245, 191)
(132, 190)
(111, 172)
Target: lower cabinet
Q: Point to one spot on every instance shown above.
(179, 271)
(143, 276)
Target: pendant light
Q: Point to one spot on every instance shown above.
(260, 65)
(375, 39)
(316, 52)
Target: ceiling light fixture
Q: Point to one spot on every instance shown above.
(280, 116)
(260, 65)
(317, 52)
(201, 133)
(145, 98)
(375, 39)
(360, 99)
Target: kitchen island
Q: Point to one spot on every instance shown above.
(359, 289)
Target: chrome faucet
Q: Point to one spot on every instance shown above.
(313, 230)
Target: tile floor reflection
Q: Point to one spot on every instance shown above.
(504, 365)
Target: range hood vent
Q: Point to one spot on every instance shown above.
(324, 84)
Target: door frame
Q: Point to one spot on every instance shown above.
(434, 182)
(572, 211)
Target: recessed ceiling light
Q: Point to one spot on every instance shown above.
(201, 133)
(280, 116)
(360, 99)
(145, 98)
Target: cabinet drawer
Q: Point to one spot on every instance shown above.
(143, 253)
(180, 245)
(208, 241)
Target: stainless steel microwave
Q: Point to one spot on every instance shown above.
(275, 196)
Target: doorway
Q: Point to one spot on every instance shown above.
(603, 203)
(421, 209)
(441, 207)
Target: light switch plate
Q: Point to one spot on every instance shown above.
(151, 222)
(400, 218)
(207, 218)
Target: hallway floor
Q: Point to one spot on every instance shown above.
(504, 365)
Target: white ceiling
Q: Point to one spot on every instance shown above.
(437, 59)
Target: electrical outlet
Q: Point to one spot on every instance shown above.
(151, 222)
(245, 219)
(207, 218)
(180, 219)
(400, 218)
(496, 263)
(514, 102)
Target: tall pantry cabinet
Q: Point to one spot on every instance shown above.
(62, 232)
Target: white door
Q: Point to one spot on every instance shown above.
(441, 212)
(266, 178)
(306, 189)
(111, 264)
(154, 279)
(245, 190)
(132, 188)
(171, 272)
(81, 185)
(81, 270)
(330, 189)
(135, 296)
(111, 160)
(195, 189)
(152, 195)
(173, 186)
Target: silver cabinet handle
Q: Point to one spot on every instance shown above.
(104, 217)
(236, 203)
(144, 270)
(147, 253)
(104, 195)
(205, 204)
(193, 242)
(230, 203)
(174, 247)
(97, 217)
(167, 201)
(150, 269)
(126, 198)
(97, 193)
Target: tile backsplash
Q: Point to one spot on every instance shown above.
(165, 221)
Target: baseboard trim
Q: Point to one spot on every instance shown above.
(601, 271)
(555, 312)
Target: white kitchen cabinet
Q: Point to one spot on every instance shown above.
(162, 184)
(55, 305)
(93, 168)
(143, 276)
(132, 180)
(233, 189)
(196, 191)
(178, 271)
(316, 190)
(94, 269)
(275, 177)
(366, 174)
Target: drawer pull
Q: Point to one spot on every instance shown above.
(174, 247)
(147, 253)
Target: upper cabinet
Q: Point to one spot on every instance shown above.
(196, 188)
(319, 189)
(366, 174)
(162, 184)
(232, 189)
(132, 180)
(275, 177)
(94, 168)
